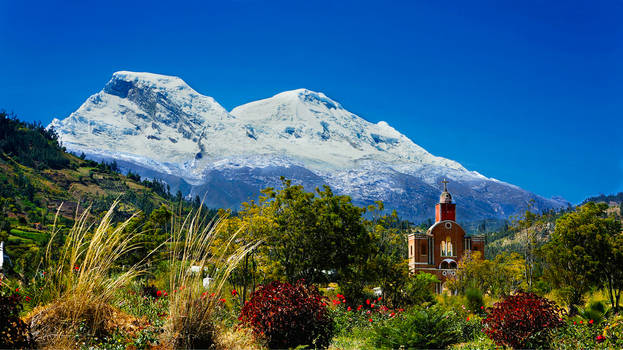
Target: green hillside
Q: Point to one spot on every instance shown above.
(37, 175)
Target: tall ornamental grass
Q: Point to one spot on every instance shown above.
(195, 242)
(80, 282)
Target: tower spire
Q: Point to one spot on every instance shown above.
(445, 209)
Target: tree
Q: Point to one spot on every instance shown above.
(150, 234)
(315, 236)
(586, 250)
(500, 276)
(317, 233)
(419, 289)
(388, 265)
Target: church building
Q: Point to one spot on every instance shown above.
(442, 246)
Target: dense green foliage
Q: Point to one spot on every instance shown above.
(419, 328)
(30, 144)
(585, 251)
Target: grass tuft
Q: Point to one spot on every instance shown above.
(80, 281)
(191, 306)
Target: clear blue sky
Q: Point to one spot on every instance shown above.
(530, 93)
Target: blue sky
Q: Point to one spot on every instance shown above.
(528, 92)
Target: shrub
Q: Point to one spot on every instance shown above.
(419, 289)
(419, 328)
(579, 334)
(474, 300)
(597, 306)
(595, 311)
(347, 318)
(523, 320)
(14, 333)
(289, 315)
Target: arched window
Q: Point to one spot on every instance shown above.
(444, 264)
(446, 247)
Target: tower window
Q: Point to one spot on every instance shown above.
(446, 247)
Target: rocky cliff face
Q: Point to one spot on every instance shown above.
(160, 127)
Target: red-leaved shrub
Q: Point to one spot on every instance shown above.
(289, 315)
(523, 320)
(14, 333)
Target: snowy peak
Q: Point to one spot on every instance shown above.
(145, 80)
(147, 115)
(314, 125)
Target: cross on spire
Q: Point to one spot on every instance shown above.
(445, 187)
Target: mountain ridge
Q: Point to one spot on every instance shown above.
(154, 123)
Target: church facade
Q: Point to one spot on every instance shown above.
(439, 250)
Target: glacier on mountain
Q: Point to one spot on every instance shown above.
(161, 127)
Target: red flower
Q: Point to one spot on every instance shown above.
(234, 292)
(159, 293)
(349, 309)
(591, 321)
(574, 322)
(359, 307)
(600, 338)
(370, 320)
(379, 299)
(372, 306)
(467, 318)
(392, 314)
(368, 301)
(17, 289)
(222, 300)
(581, 321)
(76, 268)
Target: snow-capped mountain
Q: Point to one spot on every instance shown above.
(160, 127)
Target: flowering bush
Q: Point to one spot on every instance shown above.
(14, 333)
(584, 334)
(523, 320)
(346, 318)
(288, 315)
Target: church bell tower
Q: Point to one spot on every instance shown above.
(445, 209)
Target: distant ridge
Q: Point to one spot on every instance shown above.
(617, 198)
